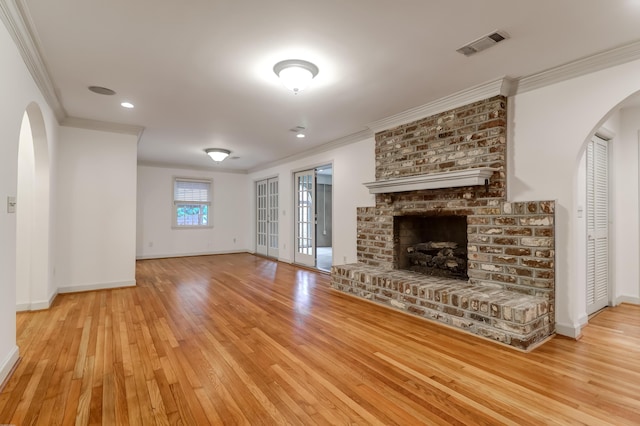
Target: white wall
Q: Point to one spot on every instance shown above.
(96, 219)
(230, 215)
(625, 232)
(18, 91)
(548, 131)
(353, 165)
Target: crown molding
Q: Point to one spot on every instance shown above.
(105, 126)
(502, 86)
(337, 143)
(17, 19)
(589, 64)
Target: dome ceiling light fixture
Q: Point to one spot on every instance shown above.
(217, 154)
(295, 74)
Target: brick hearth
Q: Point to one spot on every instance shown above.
(488, 310)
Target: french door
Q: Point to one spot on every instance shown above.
(267, 217)
(305, 220)
(597, 225)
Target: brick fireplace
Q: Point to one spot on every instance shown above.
(510, 290)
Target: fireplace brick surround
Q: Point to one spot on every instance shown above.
(509, 296)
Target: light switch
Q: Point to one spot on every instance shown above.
(11, 204)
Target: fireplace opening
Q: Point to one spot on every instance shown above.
(431, 245)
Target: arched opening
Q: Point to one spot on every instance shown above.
(33, 276)
(616, 277)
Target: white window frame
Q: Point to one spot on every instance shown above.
(176, 203)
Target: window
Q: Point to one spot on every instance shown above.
(191, 203)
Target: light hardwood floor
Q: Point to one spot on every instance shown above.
(239, 339)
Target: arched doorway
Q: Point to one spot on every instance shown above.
(34, 286)
(617, 276)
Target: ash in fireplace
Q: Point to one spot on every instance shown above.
(439, 258)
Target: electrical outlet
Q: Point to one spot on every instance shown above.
(344, 259)
(234, 241)
(150, 244)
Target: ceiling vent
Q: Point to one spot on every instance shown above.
(102, 90)
(483, 43)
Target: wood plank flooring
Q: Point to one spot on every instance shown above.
(238, 339)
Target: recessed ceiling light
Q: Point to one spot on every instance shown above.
(127, 104)
(102, 90)
(300, 135)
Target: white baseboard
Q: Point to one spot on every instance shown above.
(207, 253)
(53, 296)
(98, 286)
(628, 299)
(37, 305)
(8, 363)
(572, 331)
(23, 307)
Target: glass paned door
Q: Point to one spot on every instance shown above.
(305, 218)
(261, 217)
(272, 217)
(267, 217)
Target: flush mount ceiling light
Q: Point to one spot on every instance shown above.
(217, 154)
(126, 105)
(300, 135)
(295, 74)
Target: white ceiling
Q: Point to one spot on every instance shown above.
(200, 71)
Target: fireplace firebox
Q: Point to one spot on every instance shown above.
(431, 245)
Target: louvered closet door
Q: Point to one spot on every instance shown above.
(597, 226)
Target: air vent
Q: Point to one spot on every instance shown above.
(483, 43)
(102, 90)
(297, 129)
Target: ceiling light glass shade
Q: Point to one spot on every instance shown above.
(295, 74)
(217, 154)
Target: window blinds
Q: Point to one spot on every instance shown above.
(189, 190)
